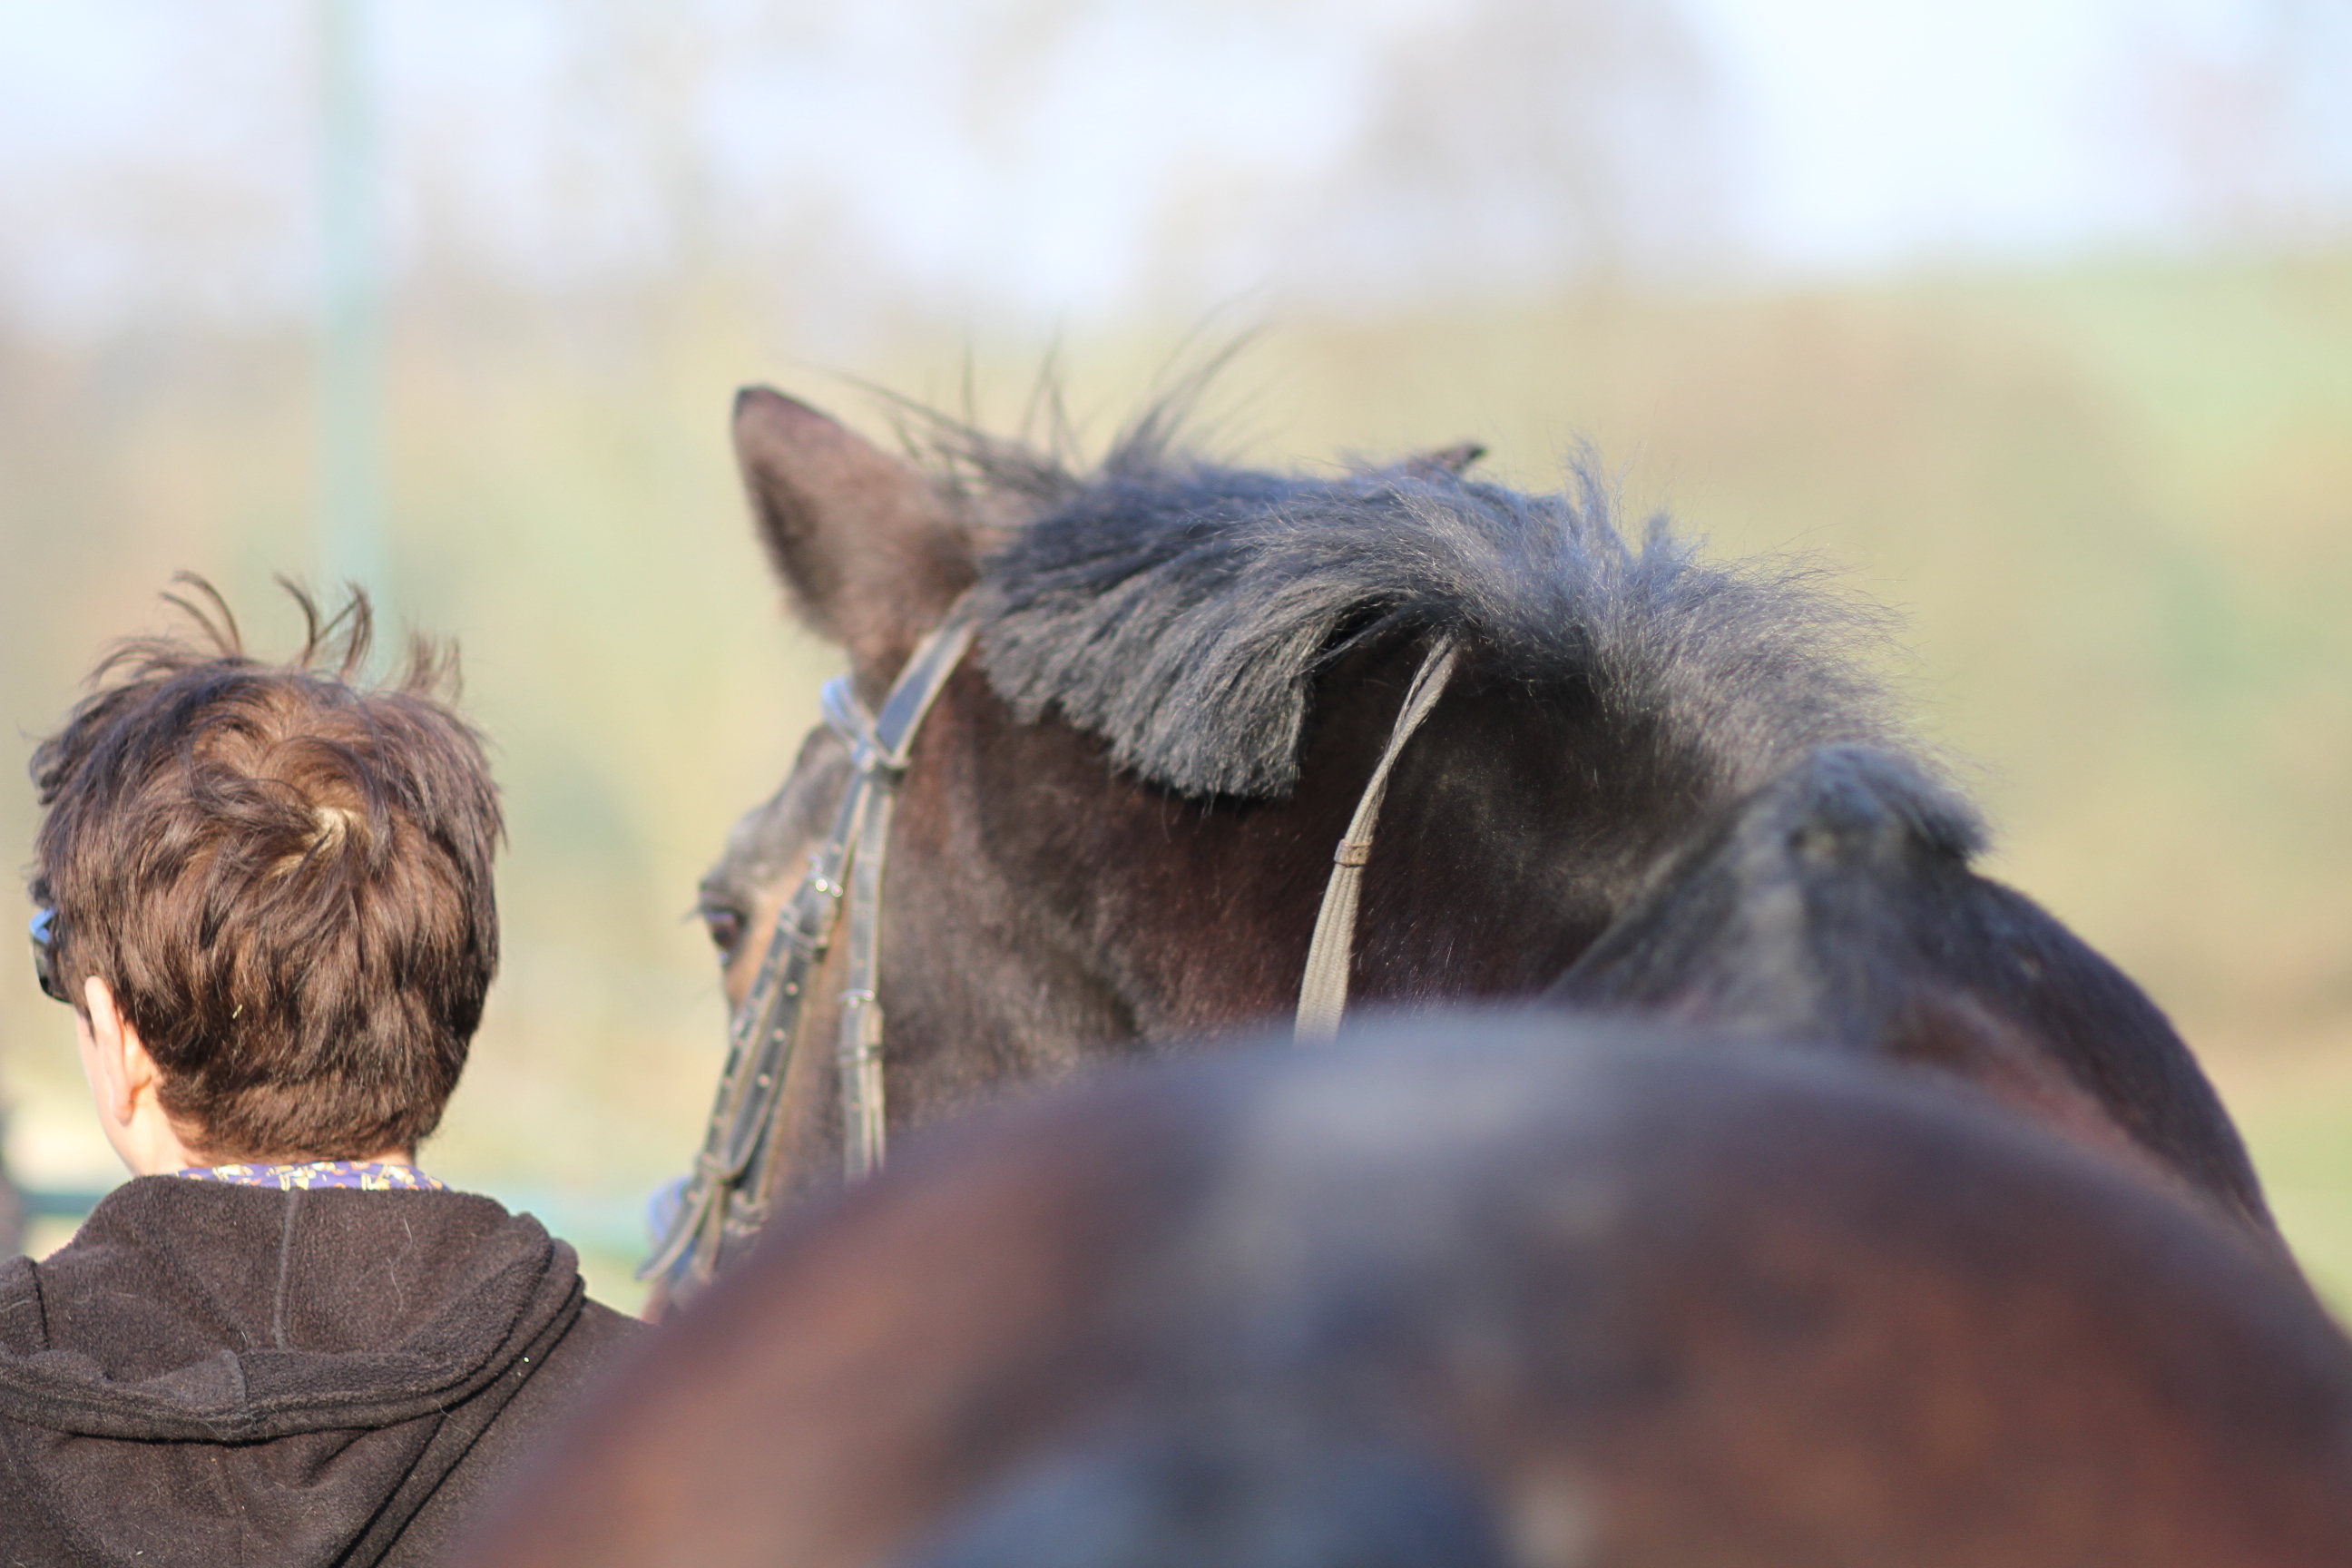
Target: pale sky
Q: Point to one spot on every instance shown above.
(160, 155)
(2000, 128)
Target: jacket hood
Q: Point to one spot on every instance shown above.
(273, 1369)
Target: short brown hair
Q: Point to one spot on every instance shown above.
(284, 876)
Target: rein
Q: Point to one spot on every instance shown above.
(727, 1196)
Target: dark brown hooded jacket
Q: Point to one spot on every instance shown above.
(223, 1375)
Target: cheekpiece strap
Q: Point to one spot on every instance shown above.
(726, 1195)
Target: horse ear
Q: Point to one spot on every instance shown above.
(870, 550)
(1455, 459)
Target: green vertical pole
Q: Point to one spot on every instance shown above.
(351, 503)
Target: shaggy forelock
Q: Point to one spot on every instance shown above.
(1182, 610)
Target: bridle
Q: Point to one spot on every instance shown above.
(727, 1197)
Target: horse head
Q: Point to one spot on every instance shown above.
(1115, 826)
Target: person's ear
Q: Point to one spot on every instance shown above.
(120, 1066)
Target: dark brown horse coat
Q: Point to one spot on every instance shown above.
(1521, 1292)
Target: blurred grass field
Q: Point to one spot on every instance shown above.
(2115, 503)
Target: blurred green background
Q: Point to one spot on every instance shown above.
(2098, 450)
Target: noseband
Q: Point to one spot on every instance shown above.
(727, 1195)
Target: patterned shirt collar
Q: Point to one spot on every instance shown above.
(371, 1175)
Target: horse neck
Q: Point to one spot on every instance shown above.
(1515, 829)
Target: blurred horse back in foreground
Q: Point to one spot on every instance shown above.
(1522, 1290)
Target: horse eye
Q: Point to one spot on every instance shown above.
(726, 928)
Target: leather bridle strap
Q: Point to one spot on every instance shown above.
(1323, 992)
(728, 1191)
(878, 749)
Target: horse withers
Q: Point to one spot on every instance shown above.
(1837, 905)
(1115, 826)
(1468, 1291)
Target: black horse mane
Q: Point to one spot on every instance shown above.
(1181, 608)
